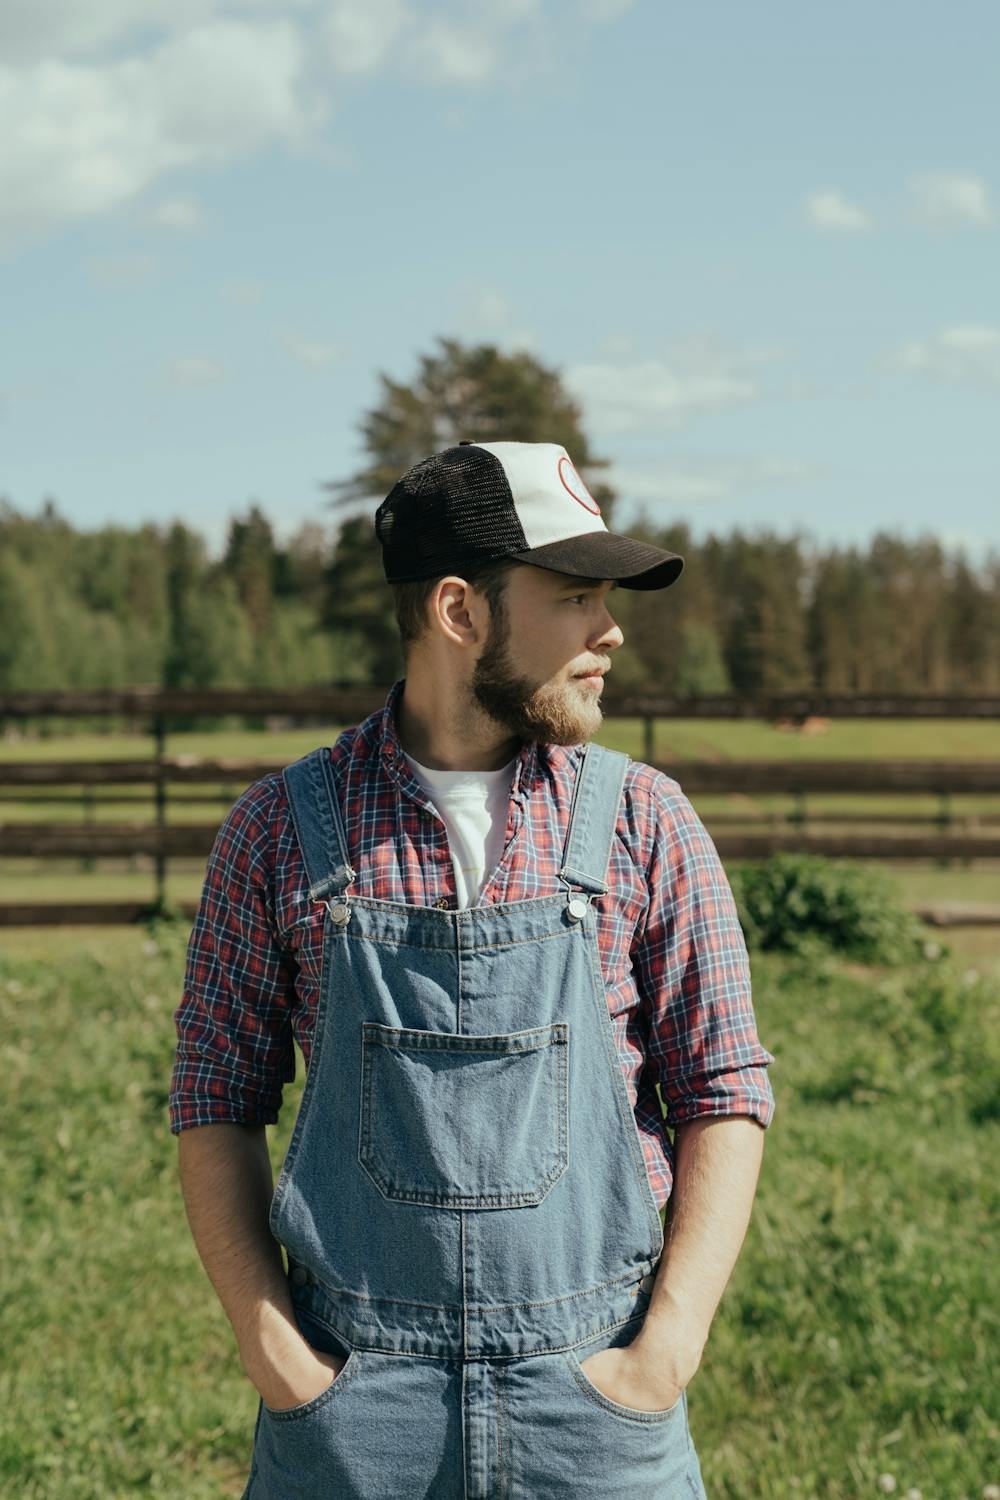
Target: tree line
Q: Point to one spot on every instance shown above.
(753, 613)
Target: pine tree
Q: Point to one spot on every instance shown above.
(459, 392)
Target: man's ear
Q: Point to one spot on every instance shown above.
(458, 612)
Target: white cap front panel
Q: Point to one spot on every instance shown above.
(551, 500)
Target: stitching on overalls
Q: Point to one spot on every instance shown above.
(385, 942)
(558, 1034)
(406, 1302)
(625, 1111)
(504, 1430)
(626, 1414)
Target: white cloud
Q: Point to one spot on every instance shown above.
(962, 354)
(647, 395)
(945, 199)
(309, 352)
(178, 213)
(489, 306)
(606, 10)
(704, 480)
(474, 42)
(100, 101)
(464, 42)
(80, 139)
(486, 314)
(35, 30)
(196, 369)
(360, 33)
(833, 212)
(618, 346)
(460, 54)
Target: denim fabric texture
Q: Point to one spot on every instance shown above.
(464, 1200)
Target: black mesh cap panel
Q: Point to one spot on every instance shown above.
(449, 511)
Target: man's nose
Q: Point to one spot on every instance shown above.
(611, 635)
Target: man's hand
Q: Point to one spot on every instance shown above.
(300, 1378)
(635, 1376)
(716, 1164)
(226, 1180)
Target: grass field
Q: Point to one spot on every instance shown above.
(856, 1341)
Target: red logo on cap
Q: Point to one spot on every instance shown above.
(574, 485)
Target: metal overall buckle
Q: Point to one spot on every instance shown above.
(578, 903)
(338, 905)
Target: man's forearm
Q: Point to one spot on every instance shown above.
(227, 1185)
(716, 1167)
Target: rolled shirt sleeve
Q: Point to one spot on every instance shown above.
(234, 1046)
(692, 968)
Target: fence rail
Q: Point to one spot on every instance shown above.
(957, 836)
(118, 913)
(97, 840)
(770, 776)
(346, 704)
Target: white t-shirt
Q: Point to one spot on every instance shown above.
(474, 807)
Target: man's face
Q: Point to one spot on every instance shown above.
(548, 632)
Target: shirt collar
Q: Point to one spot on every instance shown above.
(535, 761)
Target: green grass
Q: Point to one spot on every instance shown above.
(856, 1338)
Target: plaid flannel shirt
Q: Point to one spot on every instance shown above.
(673, 957)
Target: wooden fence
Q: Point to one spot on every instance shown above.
(220, 781)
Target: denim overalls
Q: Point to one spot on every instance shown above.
(464, 1202)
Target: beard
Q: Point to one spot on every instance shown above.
(556, 713)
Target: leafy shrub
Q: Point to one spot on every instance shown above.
(963, 1013)
(801, 903)
(921, 1038)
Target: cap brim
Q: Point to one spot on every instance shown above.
(604, 554)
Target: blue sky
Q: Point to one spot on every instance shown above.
(760, 242)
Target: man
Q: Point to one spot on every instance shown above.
(492, 939)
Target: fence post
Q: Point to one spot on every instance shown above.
(160, 732)
(944, 823)
(799, 815)
(87, 861)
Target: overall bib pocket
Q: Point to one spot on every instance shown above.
(454, 1120)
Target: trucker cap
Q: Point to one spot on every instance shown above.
(478, 502)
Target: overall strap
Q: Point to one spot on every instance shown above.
(319, 827)
(593, 816)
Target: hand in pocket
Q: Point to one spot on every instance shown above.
(623, 1374)
(296, 1384)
